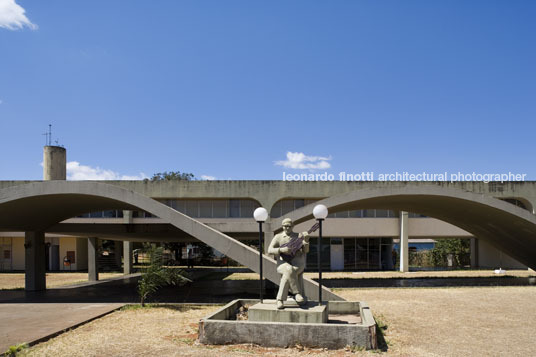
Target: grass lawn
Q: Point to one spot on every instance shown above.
(483, 321)
(9, 281)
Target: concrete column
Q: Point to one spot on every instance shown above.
(404, 250)
(35, 277)
(118, 252)
(92, 259)
(268, 236)
(474, 253)
(127, 257)
(128, 217)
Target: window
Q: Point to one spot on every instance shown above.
(247, 207)
(103, 214)
(191, 208)
(234, 208)
(275, 212)
(325, 257)
(382, 213)
(109, 214)
(219, 208)
(355, 214)
(369, 213)
(285, 206)
(416, 215)
(96, 214)
(205, 208)
(515, 202)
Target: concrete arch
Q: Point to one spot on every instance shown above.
(37, 206)
(507, 227)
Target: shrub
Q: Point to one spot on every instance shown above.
(13, 350)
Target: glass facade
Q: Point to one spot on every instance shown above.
(223, 208)
(243, 208)
(359, 254)
(285, 206)
(103, 214)
(312, 256)
(288, 205)
(365, 213)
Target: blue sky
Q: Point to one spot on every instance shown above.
(227, 89)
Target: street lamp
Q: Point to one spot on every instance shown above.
(320, 212)
(260, 215)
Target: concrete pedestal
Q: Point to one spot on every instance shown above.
(222, 328)
(308, 313)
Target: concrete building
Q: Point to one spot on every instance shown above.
(366, 218)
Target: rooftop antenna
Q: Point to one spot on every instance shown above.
(48, 136)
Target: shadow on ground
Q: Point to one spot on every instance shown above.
(207, 287)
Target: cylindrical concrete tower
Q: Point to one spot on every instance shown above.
(54, 163)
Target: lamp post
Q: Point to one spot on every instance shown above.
(320, 212)
(260, 216)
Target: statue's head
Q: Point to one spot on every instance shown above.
(287, 225)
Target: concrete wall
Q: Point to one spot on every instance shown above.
(386, 227)
(18, 253)
(434, 228)
(267, 193)
(81, 253)
(68, 244)
(490, 257)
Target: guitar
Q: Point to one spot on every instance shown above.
(295, 244)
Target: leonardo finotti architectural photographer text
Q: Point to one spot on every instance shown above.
(406, 176)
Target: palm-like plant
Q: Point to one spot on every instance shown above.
(156, 275)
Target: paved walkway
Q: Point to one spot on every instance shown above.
(29, 322)
(32, 316)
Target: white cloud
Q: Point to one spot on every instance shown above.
(298, 160)
(75, 171)
(208, 178)
(12, 16)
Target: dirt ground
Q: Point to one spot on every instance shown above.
(483, 321)
(16, 280)
(396, 274)
(10, 281)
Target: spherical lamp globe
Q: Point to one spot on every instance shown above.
(320, 212)
(260, 214)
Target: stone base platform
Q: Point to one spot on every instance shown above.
(222, 327)
(309, 312)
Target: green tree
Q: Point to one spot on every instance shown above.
(156, 275)
(459, 248)
(206, 252)
(172, 176)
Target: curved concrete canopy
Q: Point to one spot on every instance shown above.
(40, 205)
(509, 228)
